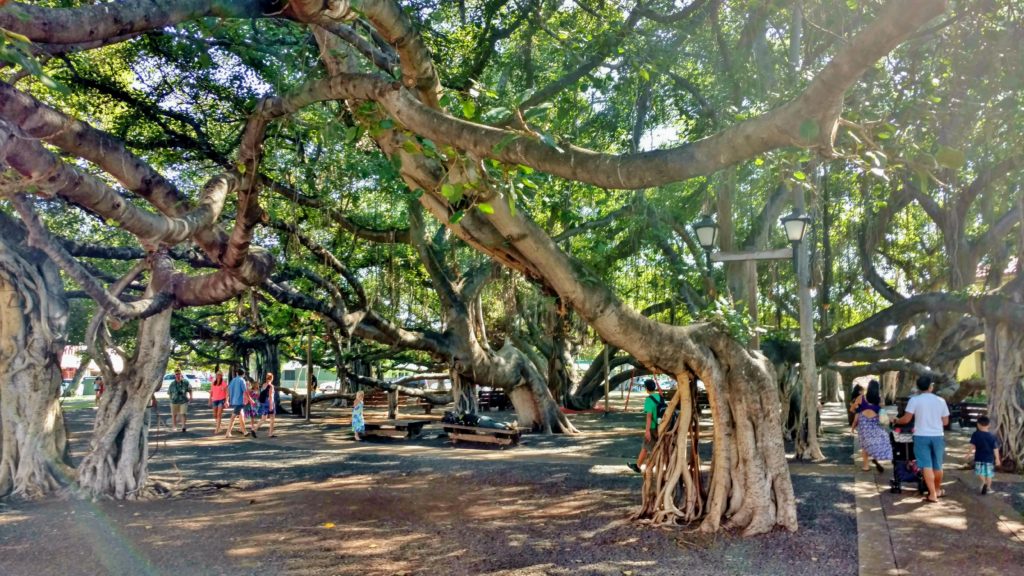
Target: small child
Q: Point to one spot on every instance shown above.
(358, 424)
(252, 404)
(985, 446)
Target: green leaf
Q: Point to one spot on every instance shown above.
(15, 36)
(485, 208)
(241, 167)
(495, 114)
(799, 175)
(644, 74)
(550, 141)
(351, 134)
(387, 123)
(468, 108)
(456, 217)
(452, 192)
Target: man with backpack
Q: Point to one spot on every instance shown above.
(654, 408)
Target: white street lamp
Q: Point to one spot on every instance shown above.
(707, 232)
(796, 224)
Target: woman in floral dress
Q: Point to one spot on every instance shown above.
(874, 438)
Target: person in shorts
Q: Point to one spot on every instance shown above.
(931, 415)
(238, 397)
(651, 404)
(218, 398)
(180, 393)
(985, 446)
(265, 407)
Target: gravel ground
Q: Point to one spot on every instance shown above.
(315, 503)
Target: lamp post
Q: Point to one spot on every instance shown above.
(707, 235)
(796, 225)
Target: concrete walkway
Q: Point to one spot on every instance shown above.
(964, 533)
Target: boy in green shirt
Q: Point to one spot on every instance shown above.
(651, 408)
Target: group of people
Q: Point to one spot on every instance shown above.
(930, 414)
(251, 403)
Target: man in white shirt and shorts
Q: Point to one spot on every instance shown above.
(931, 415)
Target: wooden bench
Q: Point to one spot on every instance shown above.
(425, 404)
(498, 436)
(967, 413)
(396, 428)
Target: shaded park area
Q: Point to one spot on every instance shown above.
(515, 287)
(313, 502)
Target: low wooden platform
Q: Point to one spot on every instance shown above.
(458, 432)
(396, 428)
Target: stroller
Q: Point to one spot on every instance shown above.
(904, 466)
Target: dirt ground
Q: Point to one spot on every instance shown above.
(314, 502)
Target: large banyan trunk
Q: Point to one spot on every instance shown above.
(749, 487)
(115, 466)
(33, 316)
(1004, 367)
(510, 370)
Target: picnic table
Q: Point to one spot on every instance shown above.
(396, 428)
(500, 436)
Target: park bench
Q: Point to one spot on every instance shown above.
(396, 428)
(379, 399)
(501, 437)
(487, 399)
(967, 413)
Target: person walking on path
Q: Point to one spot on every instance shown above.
(238, 398)
(180, 393)
(98, 388)
(985, 446)
(930, 414)
(265, 404)
(218, 397)
(358, 424)
(653, 407)
(874, 440)
(856, 397)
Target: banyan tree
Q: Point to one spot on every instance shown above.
(471, 139)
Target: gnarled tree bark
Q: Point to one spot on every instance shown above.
(34, 459)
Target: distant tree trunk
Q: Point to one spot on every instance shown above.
(34, 457)
(116, 465)
(560, 365)
(832, 382)
(1004, 370)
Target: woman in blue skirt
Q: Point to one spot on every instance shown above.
(874, 438)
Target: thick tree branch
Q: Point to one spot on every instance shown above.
(91, 23)
(39, 237)
(818, 106)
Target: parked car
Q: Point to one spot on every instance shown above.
(193, 379)
(330, 386)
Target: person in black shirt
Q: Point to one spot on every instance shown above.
(986, 454)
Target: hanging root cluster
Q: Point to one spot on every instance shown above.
(673, 491)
